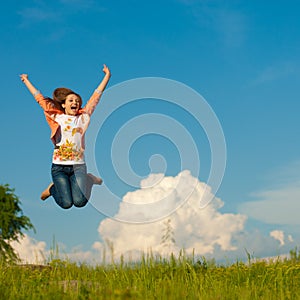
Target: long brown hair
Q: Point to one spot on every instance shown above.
(60, 95)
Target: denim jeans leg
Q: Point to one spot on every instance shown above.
(89, 185)
(61, 190)
(78, 182)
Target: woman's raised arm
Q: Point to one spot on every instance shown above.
(94, 100)
(29, 85)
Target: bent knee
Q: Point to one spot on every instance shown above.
(66, 205)
(81, 202)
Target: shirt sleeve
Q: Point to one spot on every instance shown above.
(47, 105)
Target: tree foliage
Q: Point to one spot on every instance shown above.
(12, 222)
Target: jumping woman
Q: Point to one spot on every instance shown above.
(68, 122)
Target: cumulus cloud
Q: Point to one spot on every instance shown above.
(188, 227)
(278, 235)
(202, 231)
(29, 250)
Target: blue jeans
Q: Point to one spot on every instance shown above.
(71, 186)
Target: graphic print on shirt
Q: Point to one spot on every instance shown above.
(68, 152)
(70, 149)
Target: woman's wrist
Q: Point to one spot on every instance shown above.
(36, 93)
(98, 91)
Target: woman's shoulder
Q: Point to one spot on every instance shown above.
(84, 117)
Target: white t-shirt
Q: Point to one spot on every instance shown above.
(69, 142)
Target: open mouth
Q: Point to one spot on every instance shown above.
(74, 108)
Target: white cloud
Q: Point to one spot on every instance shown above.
(79, 3)
(44, 11)
(31, 15)
(203, 231)
(193, 228)
(230, 25)
(279, 206)
(278, 235)
(30, 250)
(272, 73)
(280, 203)
(290, 238)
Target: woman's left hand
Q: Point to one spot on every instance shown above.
(106, 69)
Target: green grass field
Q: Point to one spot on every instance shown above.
(153, 278)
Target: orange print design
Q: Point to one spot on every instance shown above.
(67, 128)
(77, 130)
(68, 151)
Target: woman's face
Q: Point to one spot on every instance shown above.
(72, 105)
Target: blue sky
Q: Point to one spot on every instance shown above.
(241, 56)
